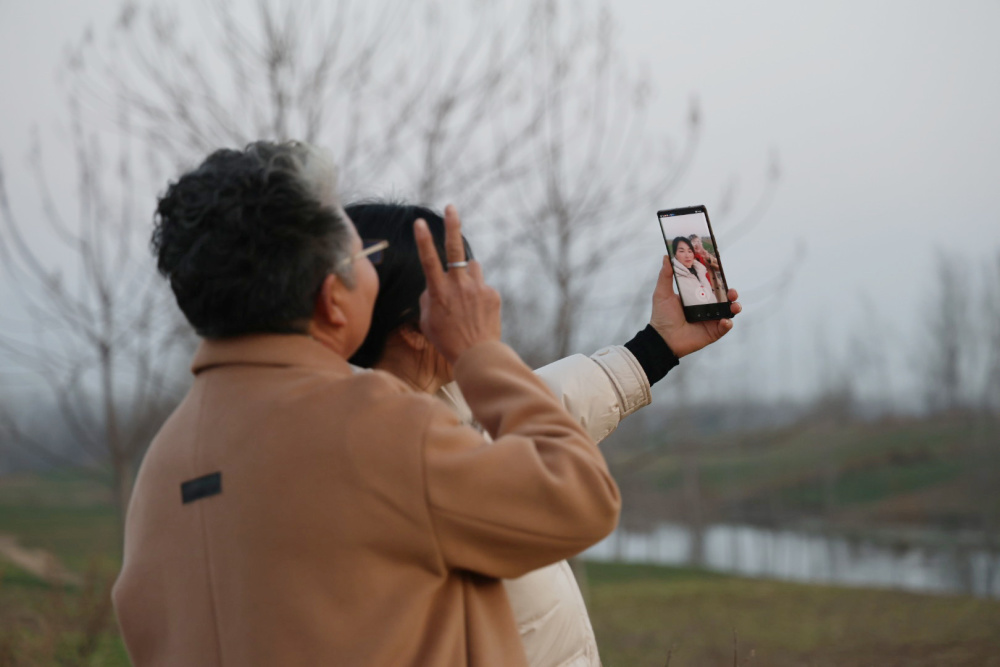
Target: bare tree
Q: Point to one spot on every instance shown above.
(399, 90)
(529, 117)
(991, 274)
(596, 171)
(948, 337)
(985, 462)
(104, 331)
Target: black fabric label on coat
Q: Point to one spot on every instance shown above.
(201, 487)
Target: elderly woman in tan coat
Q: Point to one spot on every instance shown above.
(598, 390)
(293, 512)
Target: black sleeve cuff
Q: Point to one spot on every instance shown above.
(652, 353)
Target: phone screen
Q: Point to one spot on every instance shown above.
(701, 282)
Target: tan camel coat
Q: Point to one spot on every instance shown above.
(352, 521)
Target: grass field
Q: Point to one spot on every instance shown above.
(52, 625)
(641, 614)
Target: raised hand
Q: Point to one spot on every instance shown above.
(458, 309)
(682, 336)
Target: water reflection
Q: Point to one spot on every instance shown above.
(944, 564)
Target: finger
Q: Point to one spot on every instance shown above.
(476, 271)
(665, 281)
(733, 295)
(736, 308)
(429, 259)
(454, 249)
(668, 266)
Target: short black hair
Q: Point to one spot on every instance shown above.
(679, 240)
(401, 278)
(247, 238)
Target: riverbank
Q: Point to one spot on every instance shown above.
(921, 562)
(939, 474)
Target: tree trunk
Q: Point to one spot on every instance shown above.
(124, 480)
(692, 503)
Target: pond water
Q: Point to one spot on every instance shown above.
(938, 563)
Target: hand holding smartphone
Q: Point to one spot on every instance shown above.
(697, 264)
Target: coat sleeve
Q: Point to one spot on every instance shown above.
(599, 390)
(541, 492)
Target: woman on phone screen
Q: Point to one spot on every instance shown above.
(692, 276)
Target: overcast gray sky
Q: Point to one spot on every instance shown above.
(884, 116)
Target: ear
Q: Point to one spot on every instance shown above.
(413, 338)
(328, 310)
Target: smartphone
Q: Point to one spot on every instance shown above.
(694, 253)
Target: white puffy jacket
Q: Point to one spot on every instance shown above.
(599, 390)
(695, 287)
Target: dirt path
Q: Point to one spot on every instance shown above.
(38, 562)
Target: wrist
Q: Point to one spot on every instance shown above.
(653, 353)
(669, 337)
(456, 352)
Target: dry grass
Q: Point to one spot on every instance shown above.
(644, 615)
(71, 626)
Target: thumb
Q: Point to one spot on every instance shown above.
(665, 281)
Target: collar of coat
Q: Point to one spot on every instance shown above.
(268, 350)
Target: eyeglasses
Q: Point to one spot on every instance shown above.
(373, 249)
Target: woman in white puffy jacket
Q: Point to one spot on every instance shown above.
(692, 276)
(599, 390)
